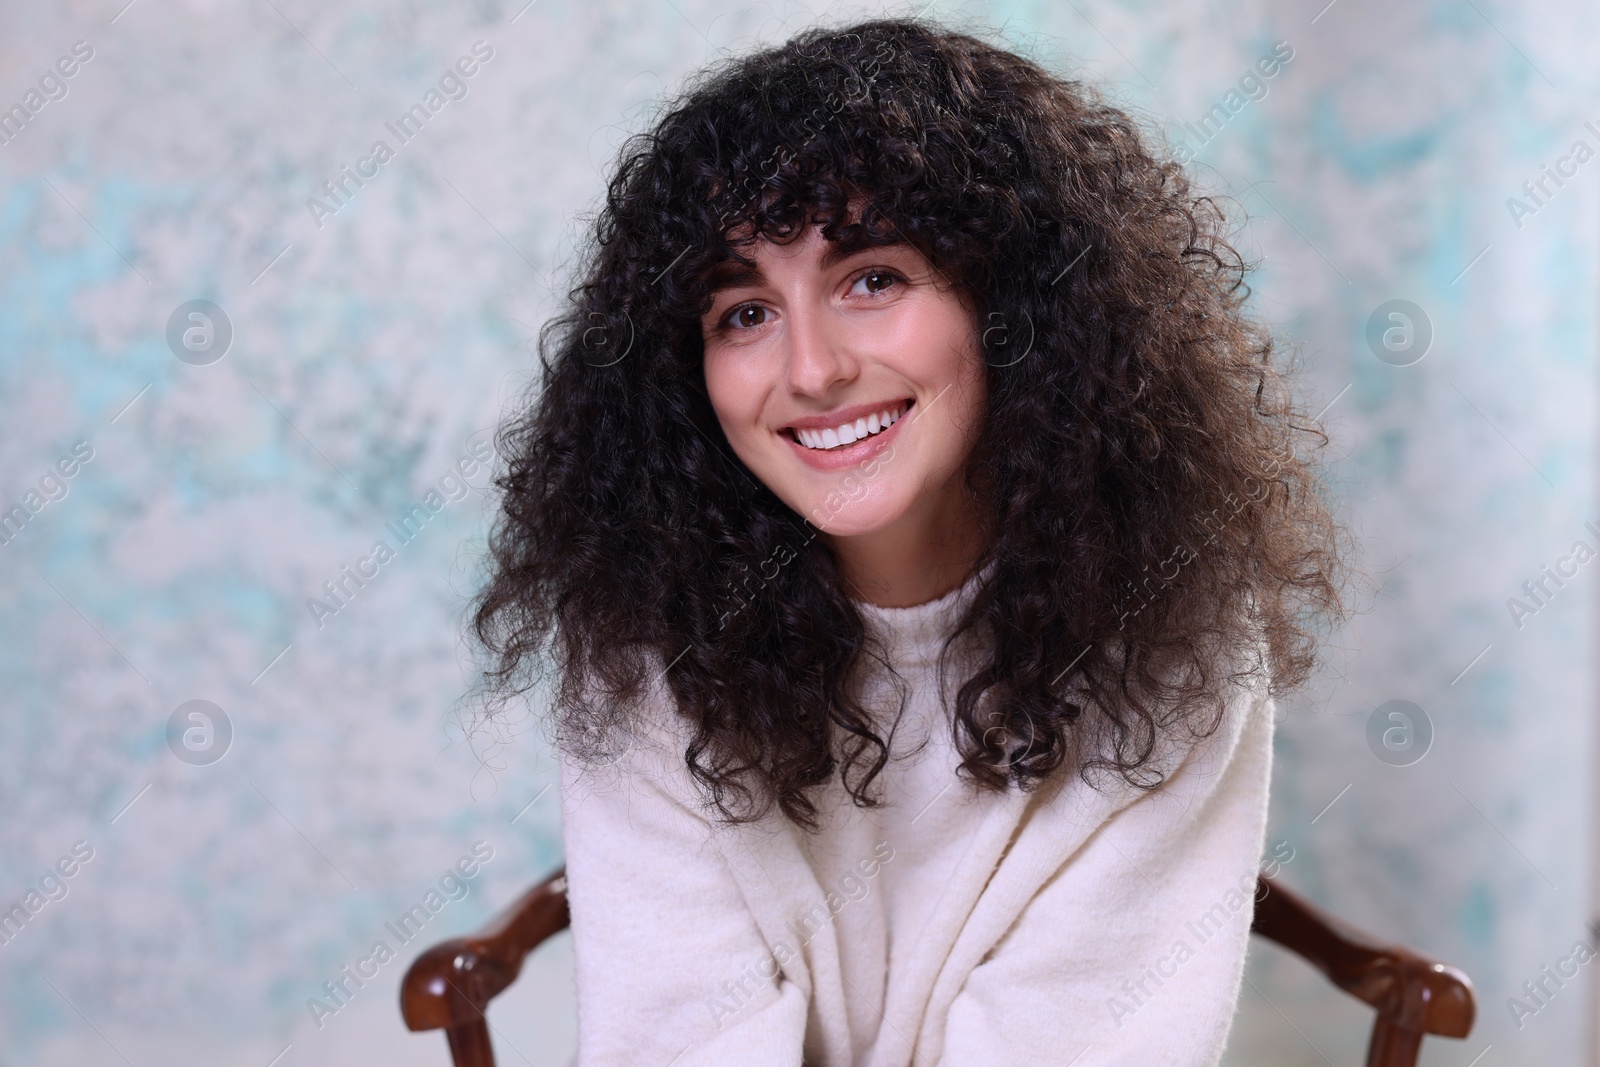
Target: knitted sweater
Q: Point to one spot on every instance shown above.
(1067, 926)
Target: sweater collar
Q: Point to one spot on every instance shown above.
(917, 633)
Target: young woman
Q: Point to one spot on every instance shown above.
(915, 521)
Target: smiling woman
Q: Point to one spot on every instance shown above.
(772, 365)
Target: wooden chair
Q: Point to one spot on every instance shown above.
(449, 986)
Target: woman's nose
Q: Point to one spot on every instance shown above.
(818, 356)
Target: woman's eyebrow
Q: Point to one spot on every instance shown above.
(730, 273)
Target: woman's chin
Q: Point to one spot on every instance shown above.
(855, 519)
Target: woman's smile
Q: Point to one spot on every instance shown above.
(841, 442)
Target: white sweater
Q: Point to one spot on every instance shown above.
(1065, 927)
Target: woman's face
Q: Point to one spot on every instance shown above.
(852, 386)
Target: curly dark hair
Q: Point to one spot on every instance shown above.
(1144, 500)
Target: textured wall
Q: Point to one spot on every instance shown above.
(212, 493)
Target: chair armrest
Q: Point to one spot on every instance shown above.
(1410, 991)
(451, 984)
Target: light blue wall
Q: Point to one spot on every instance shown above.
(373, 350)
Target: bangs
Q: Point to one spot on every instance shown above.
(851, 228)
(832, 133)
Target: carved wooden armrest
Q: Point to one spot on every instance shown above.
(1413, 995)
(449, 986)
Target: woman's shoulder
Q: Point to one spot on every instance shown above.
(1204, 706)
(611, 734)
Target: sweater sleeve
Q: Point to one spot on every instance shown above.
(659, 923)
(1132, 953)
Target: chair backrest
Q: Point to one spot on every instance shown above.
(450, 985)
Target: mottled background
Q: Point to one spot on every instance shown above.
(374, 347)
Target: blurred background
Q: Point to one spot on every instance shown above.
(232, 752)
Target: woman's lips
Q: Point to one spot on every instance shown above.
(820, 432)
(853, 454)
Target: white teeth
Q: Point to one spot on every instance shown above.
(850, 432)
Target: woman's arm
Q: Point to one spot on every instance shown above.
(1133, 952)
(659, 924)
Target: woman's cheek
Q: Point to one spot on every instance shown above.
(722, 388)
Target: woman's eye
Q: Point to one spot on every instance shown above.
(747, 317)
(877, 280)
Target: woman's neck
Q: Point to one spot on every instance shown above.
(919, 558)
